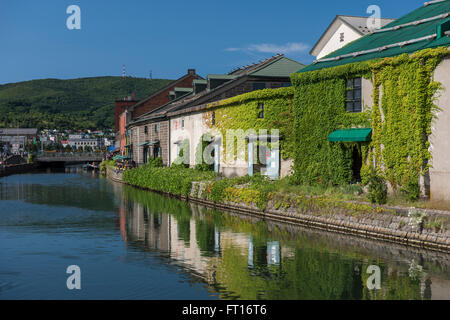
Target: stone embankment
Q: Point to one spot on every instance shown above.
(429, 229)
(16, 168)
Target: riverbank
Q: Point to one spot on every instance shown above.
(17, 168)
(412, 227)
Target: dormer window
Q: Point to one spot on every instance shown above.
(259, 85)
(353, 99)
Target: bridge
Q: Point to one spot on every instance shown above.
(75, 157)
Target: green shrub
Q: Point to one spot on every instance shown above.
(183, 158)
(155, 163)
(411, 190)
(200, 163)
(377, 189)
(175, 180)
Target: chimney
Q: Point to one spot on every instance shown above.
(191, 71)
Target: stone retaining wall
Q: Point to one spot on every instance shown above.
(114, 175)
(392, 226)
(17, 168)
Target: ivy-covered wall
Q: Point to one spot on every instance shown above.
(319, 109)
(241, 112)
(402, 120)
(403, 93)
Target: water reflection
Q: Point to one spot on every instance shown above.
(155, 247)
(250, 259)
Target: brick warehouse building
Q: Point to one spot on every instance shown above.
(150, 135)
(162, 96)
(128, 110)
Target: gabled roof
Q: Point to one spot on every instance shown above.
(255, 68)
(413, 32)
(281, 67)
(358, 24)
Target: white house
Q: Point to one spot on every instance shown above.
(343, 30)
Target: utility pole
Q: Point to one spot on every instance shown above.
(151, 75)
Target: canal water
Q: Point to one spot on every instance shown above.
(133, 244)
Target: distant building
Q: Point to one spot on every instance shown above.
(83, 143)
(127, 110)
(75, 136)
(342, 31)
(14, 140)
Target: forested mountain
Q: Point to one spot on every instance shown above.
(85, 103)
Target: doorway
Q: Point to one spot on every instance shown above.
(356, 163)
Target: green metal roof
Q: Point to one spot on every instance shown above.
(180, 89)
(379, 39)
(200, 81)
(221, 76)
(351, 135)
(283, 67)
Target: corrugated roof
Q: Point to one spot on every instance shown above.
(255, 66)
(280, 68)
(377, 41)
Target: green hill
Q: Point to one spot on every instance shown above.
(85, 103)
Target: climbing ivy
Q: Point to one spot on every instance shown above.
(200, 163)
(403, 96)
(402, 117)
(319, 110)
(241, 113)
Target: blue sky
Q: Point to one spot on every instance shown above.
(167, 37)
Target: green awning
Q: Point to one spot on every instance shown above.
(351, 135)
(151, 143)
(120, 157)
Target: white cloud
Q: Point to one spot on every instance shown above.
(290, 47)
(233, 49)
